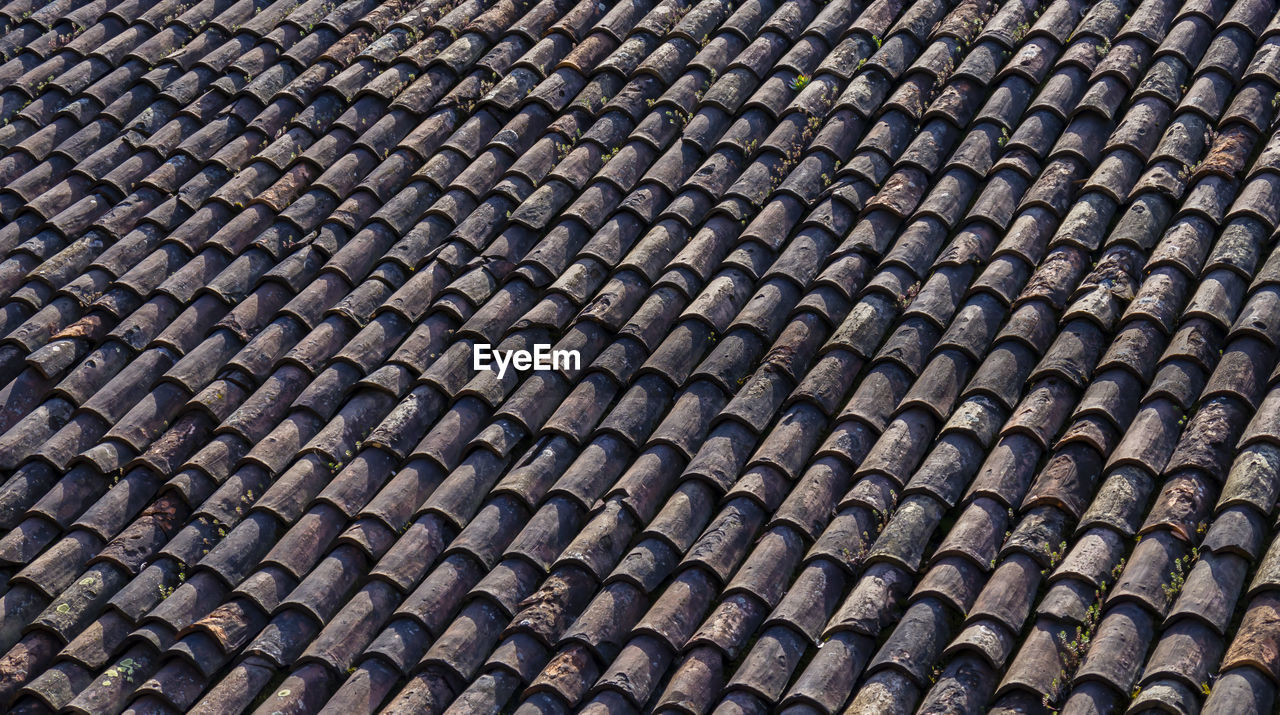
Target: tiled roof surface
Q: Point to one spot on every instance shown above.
(928, 356)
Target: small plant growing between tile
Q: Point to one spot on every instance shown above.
(882, 516)
(677, 116)
(1056, 556)
(1005, 539)
(1117, 570)
(912, 291)
(167, 591)
(1073, 651)
(1178, 576)
(1189, 170)
(800, 82)
(854, 557)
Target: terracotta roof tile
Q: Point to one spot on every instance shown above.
(927, 356)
